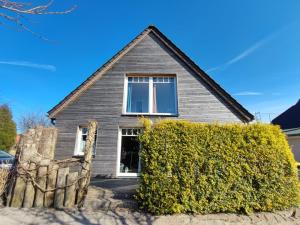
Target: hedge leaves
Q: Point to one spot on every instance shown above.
(208, 168)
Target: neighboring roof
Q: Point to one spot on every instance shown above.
(289, 118)
(292, 132)
(243, 114)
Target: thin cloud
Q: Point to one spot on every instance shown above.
(247, 51)
(30, 64)
(248, 93)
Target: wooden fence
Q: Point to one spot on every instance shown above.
(37, 180)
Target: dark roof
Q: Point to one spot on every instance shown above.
(243, 114)
(289, 118)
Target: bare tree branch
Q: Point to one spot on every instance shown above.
(36, 10)
(15, 11)
(33, 120)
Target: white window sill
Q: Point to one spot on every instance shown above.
(150, 114)
(81, 156)
(125, 175)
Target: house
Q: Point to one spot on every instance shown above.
(149, 77)
(289, 121)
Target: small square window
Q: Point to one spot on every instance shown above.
(84, 131)
(81, 141)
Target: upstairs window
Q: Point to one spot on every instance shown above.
(138, 94)
(151, 95)
(164, 95)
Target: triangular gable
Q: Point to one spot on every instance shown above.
(238, 109)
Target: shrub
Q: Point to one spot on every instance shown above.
(210, 168)
(7, 129)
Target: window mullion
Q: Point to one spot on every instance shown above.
(175, 94)
(150, 94)
(125, 95)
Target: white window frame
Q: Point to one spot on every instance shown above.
(118, 173)
(150, 100)
(78, 139)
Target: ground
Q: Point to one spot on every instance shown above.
(109, 201)
(13, 216)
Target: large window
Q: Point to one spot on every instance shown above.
(129, 147)
(151, 95)
(82, 133)
(138, 94)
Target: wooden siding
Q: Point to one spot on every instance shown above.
(104, 99)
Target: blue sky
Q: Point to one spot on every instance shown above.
(251, 48)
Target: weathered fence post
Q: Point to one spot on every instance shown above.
(47, 142)
(86, 167)
(37, 180)
(71, 190)
(18, 190)
(25, 150)
(30, 191)
(51, 183)
(41, 182)
(60, 187)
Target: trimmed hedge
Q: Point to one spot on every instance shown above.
(210, 168)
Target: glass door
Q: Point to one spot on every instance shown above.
(128, 152)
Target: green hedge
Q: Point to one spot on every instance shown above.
(209, 168)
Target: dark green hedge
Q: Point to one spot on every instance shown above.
(209, 168)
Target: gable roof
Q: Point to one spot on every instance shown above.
(289, 118)
(240, 111)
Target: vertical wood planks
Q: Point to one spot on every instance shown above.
(70, 193)
(30, 189)
(19, 189)
(41, 181)
(60, 185)
(51, 184)
(18, 193)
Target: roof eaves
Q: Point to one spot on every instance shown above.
(95, 76)
(244, 114)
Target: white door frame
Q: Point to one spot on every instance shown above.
(118, 173)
